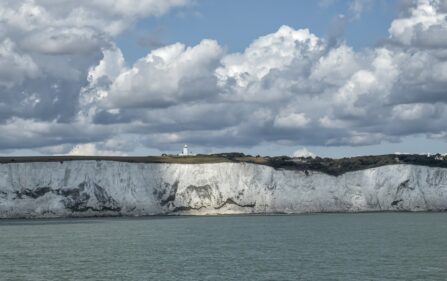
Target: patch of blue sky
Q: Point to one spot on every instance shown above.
(235, 24)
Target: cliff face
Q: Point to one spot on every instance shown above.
(96, 188)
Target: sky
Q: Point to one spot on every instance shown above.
(334, 78)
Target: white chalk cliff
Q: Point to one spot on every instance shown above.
(101, 188)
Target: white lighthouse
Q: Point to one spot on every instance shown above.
(185, 150)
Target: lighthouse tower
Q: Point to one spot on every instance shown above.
(185, 150)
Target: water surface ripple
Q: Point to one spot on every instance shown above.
(374, 246)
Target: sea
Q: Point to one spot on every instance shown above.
(362, 246)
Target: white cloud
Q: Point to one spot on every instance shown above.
(167, 76)
(291, 121)
(426, 26)
(48, 47)
(55, 41)
(373, 84)
(273, 51)
(303, 153)
(271, 92)
(414, 111)
(90, 149)
(242, 75)
(67, 83)
(337, 66)
(15, 67)
(109, 16)
(110, 67)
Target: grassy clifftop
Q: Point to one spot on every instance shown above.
(325, 165)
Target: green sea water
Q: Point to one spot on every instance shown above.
(369, 246)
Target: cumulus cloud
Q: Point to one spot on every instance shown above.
(29, 133)
(46, 53)
(55, 41)
(291, 121)
(265, 66)
(338, 65)
(14, 66)
(303, 153)
(68, 84)
(178, 73)
(426, 25)
(109, 17)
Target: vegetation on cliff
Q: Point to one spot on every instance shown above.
(326, 165)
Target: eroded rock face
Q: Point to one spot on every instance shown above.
(105, 188)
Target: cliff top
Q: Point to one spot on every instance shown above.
(325, 165)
